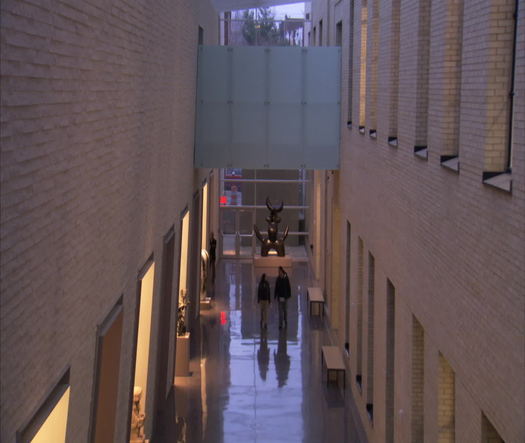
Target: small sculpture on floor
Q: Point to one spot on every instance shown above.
(137, 417)
(181, 313)
(271, 242)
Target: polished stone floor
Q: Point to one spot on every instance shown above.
(248, 384)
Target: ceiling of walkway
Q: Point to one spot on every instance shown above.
(233, 5)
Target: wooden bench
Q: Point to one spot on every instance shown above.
(333, 361)
(315, 296)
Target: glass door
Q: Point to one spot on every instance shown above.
(228, 232)
(245, 218)
(237, 232)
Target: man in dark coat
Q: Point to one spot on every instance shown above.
(282, 293)
(213, 247)
(263, 298)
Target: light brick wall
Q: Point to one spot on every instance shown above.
(97, 152)
(452, 246)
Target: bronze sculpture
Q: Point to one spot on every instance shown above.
(272, 242)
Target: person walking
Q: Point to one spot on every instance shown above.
(263, 298)
(212, 251)
(282, 294)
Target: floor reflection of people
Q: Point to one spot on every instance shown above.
(282, 359)
(263, 355)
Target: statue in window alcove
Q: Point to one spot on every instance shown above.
(272, 242)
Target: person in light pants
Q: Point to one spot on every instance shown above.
(282, 293)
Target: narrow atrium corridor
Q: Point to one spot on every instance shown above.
(253, 385)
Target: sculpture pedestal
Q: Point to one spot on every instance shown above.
(182, 355)
(270, 265)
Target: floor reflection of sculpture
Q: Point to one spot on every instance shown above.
(271, 242)
(181, 313)
(263, 355)
(205, 258)
(137, 418)
(282, 360)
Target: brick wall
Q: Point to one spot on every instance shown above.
(97, 151)
(451, 246)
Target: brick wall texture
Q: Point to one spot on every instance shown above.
(97, 115)
(453, 247)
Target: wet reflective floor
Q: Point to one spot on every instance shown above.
(250, 384)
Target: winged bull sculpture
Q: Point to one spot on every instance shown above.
(271, 242)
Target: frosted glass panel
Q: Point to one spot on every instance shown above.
(320, 84)
(276, 108)
(249, 81)
(285, 64)
(213, 75)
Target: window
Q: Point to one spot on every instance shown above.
(104, 406)
(418, 379)
(390, 360)
(201, 35)
(373, 69)
(348, 280)
(351, 65)
(446, 402)
(501, 66)
(423, 57)
(395, 31)
(370, 338)
(144, 307)
(320, 33)
(488, 432)
(362, 66)
(339, 34)
(360, 266)
(449, 69)
(49, 423)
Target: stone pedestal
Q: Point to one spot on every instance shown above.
(182, 356)
(270, 265)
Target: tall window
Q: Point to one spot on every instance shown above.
(360, 266)
(320, 33)
(390, 360)
(501, 68)
(348, 280)
(370, 338)
(489, 434)
(446, 402)
(339, 34)
(395, 31)
(49, 423)
(350, 64)
(418, 378)
(373, 68)
(423, 57)
(362, 66)
(450, 68)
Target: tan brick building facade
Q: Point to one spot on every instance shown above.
(97, 117)
(447, 250)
